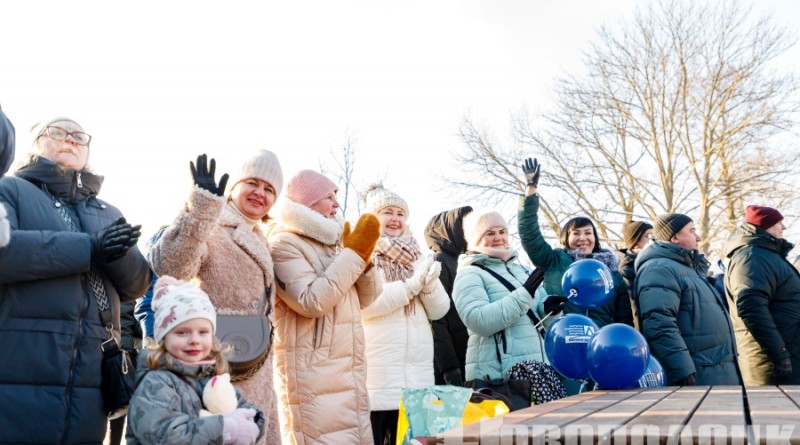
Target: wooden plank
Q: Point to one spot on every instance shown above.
(471, 434)
(775, 414)
(601, 424)
(719, 419)
(662, 422)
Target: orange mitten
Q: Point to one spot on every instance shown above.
(364, 237)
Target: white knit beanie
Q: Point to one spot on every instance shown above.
(263, 165)
(477, 222)
(377, 198)
(176, 301)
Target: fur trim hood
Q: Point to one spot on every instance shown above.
(299, 219)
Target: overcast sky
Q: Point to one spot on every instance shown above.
(158, 82)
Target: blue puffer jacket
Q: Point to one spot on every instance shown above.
(50, 329)
(489, 309)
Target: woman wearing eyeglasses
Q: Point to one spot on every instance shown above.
(67, 250)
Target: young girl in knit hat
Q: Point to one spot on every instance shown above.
(165, 409)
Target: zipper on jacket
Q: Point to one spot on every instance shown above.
(76, 345)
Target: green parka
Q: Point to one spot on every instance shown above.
(765, 290)
(682, 317)
(556, 261)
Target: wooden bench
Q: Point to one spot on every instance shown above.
(718, 415)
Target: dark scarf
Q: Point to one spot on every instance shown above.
(69, 186)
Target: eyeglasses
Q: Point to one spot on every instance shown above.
(60, 134)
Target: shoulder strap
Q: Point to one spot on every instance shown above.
(507, 284)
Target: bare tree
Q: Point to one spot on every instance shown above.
(341, 169)
(677, 111)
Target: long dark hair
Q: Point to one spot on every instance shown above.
(577, 223)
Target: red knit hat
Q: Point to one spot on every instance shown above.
(764, 217)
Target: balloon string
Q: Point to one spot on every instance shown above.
(584, 382)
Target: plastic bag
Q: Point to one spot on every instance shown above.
(429, 411)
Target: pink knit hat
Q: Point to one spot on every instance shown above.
(307, 187)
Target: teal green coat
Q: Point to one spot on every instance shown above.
(765, 288)
(556, 261)
(683, 317)
(487, 308)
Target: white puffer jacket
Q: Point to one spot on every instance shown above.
(399, 346)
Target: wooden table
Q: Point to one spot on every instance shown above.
(763, 415)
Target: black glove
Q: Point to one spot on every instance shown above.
(532, 169)
(535, 279)
(689, 380)
(554, 304)
(112, 242)
(782, 368)
(203, 176)
(453, 377)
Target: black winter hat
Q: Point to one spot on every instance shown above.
(666, 226)
(632, 232)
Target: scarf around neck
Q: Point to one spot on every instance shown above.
(395, 256)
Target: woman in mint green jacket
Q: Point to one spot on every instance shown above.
(500, 332)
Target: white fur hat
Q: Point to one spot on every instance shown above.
(176, 301)
(376, 198)
(477, 222)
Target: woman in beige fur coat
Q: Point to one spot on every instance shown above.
(218, 242)
(324, 279)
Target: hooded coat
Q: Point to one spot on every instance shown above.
(319, 340)
(765, 290)
(444, 235)
(683, 317)
(50, 328)
(212, 243)
(496, 318)
(556, 261)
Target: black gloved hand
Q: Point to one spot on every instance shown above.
(112, 242)
(453, 377)
(554, 304)
(689, 380)
(782, 368)
(535, 279)
(203, 175)
(532, 170)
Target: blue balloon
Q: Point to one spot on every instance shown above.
(654, 376)
(588, 283)
(617, 356)
(566, 342)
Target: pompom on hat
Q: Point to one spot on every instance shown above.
(666, 226)
(307, 187)
(377, 198)
(176, 301)
(632, 232)
(477, 222)
(263, 165)
(764, 217)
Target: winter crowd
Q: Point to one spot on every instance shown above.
(340, 317)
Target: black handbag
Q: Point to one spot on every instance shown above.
(250, 338)
(118, 379)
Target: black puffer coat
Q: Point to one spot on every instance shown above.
(765, 288)
(6, 143)
(444, 235)
(50, 329)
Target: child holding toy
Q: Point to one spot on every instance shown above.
(183, 396)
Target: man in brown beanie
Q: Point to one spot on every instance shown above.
(766, 291)
(683, 317)
(635, 236)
